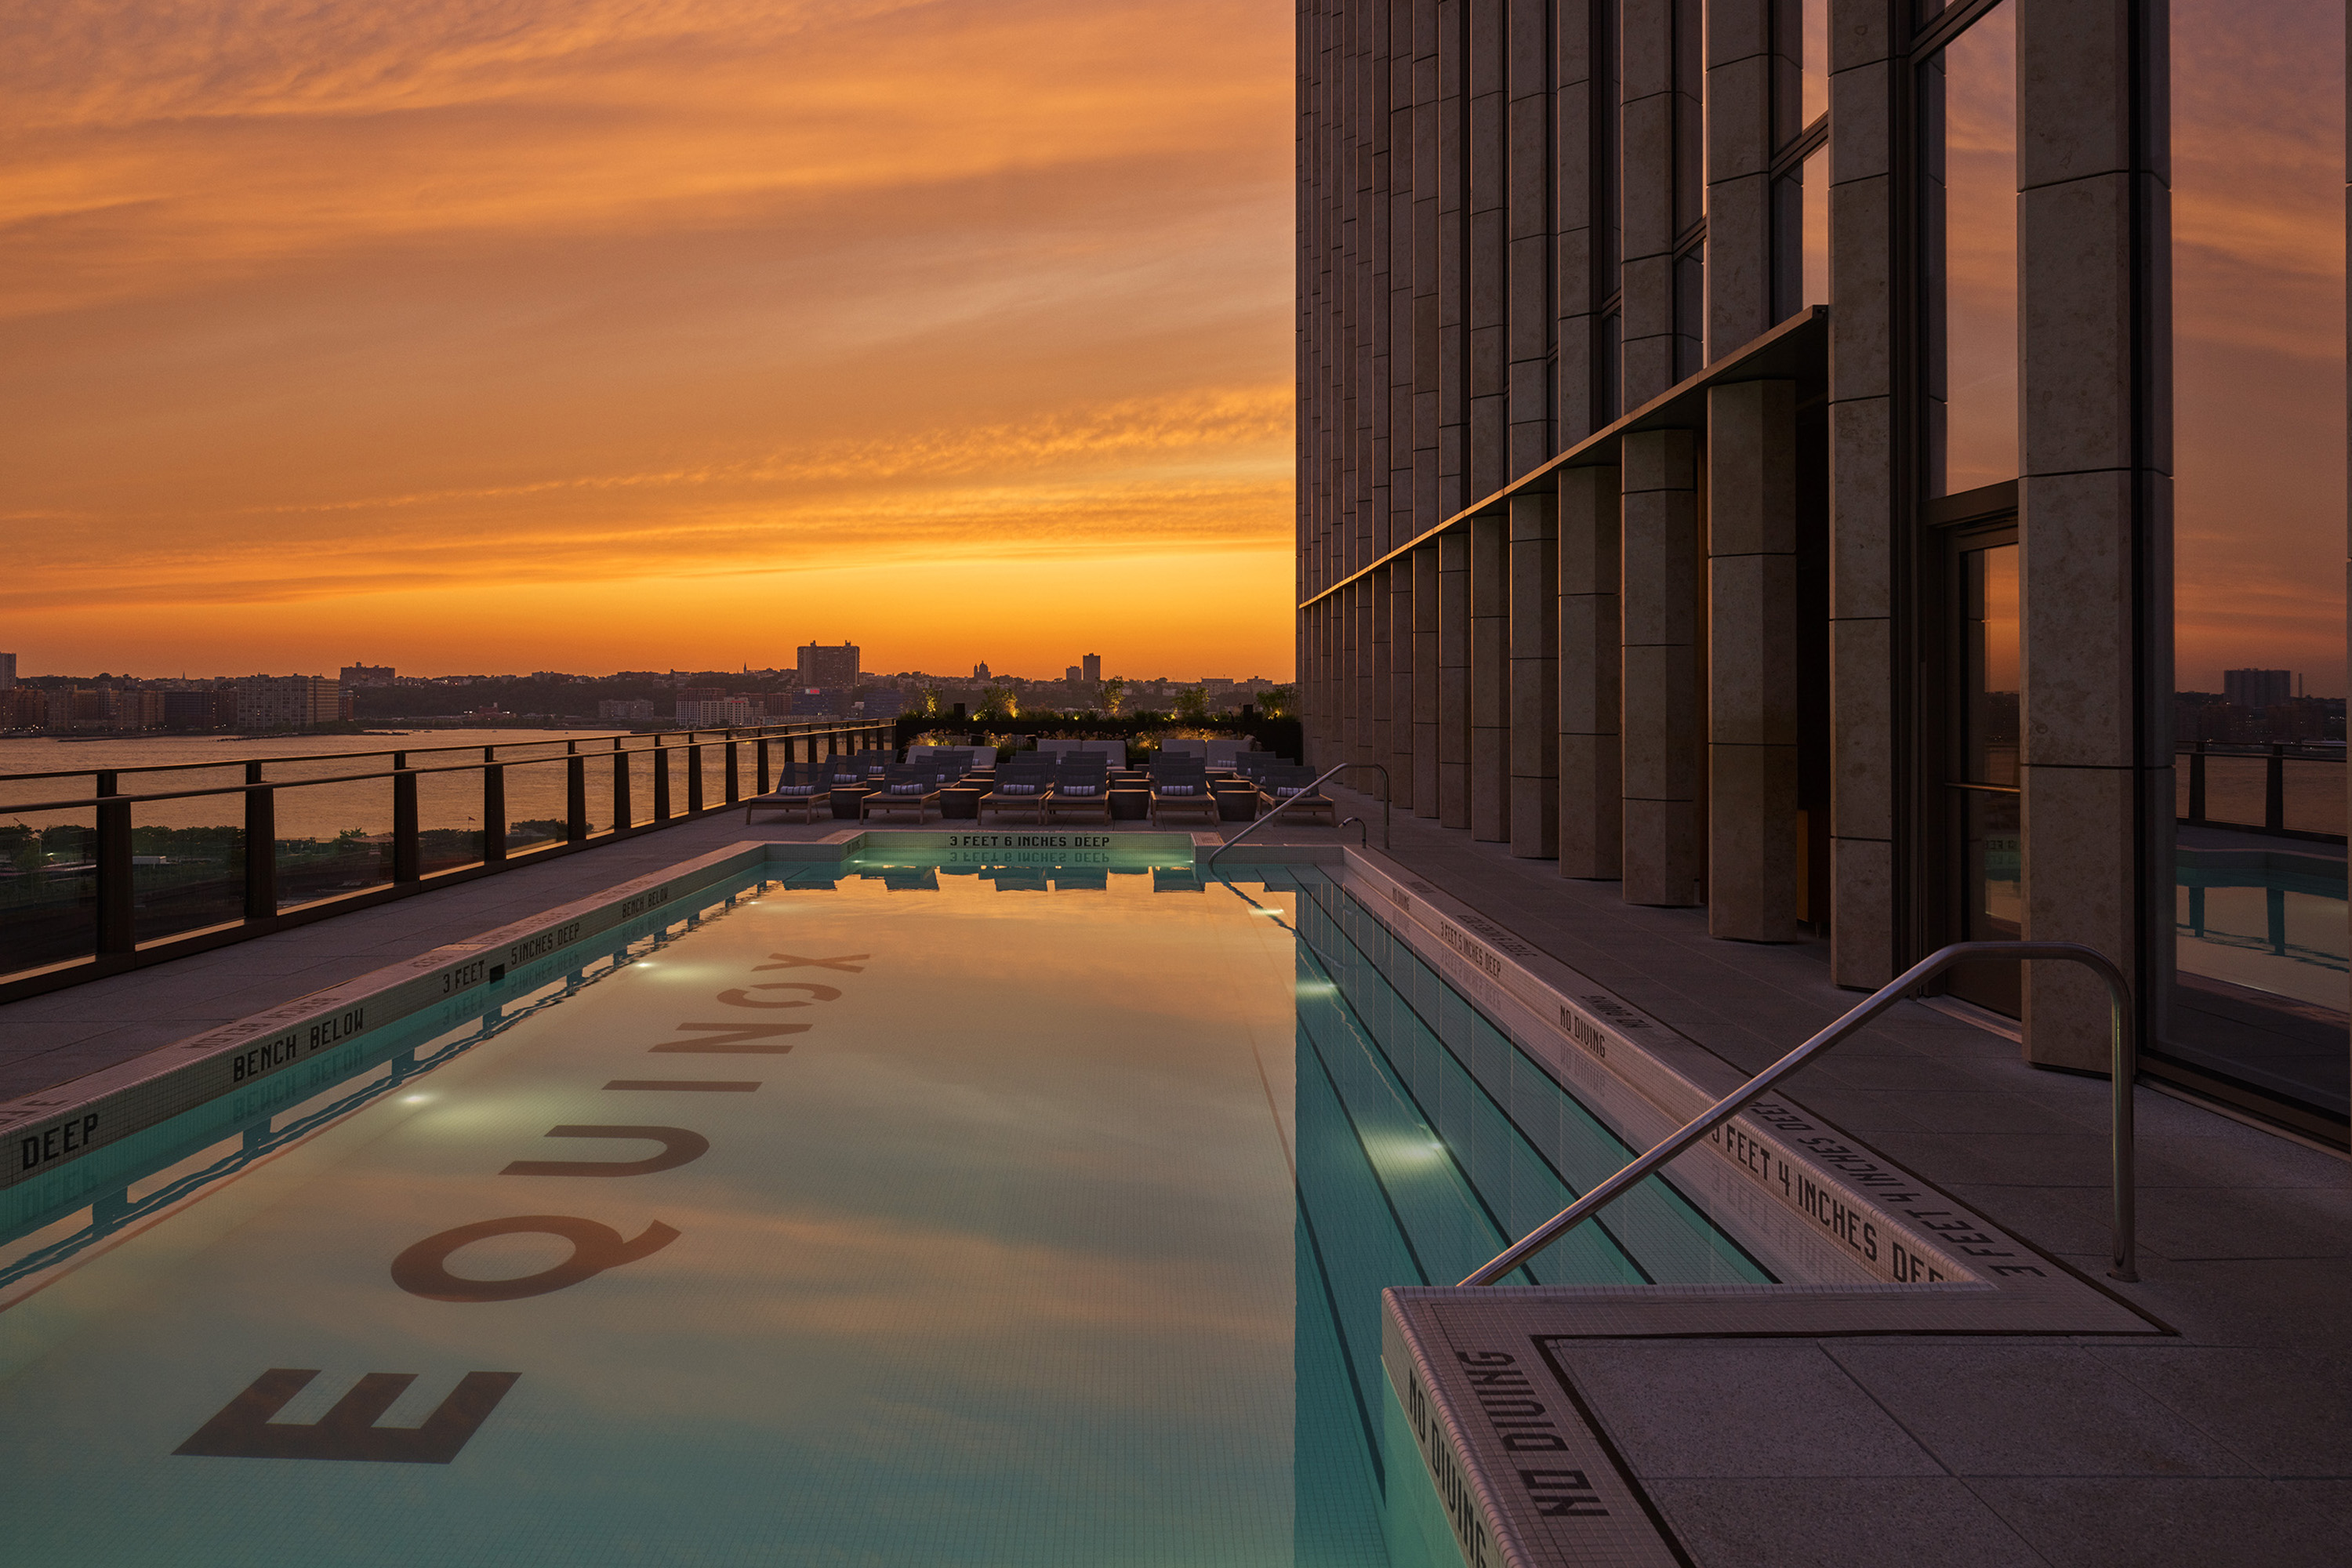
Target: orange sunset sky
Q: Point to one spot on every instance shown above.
(485, 335)
(584, 334)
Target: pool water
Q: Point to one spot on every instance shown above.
(909, 1214)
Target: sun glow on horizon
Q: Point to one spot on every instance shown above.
(594, 334)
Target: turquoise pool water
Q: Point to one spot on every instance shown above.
(916, 1214)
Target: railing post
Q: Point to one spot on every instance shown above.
(734, 765)
(693, 775)
(623, 808)
(260, 847)
(2197, 784)
(2274, 787)
(406, 861)
(575, 798)
(661, 779)
(494, 806)
(764, 762)
(117, 933)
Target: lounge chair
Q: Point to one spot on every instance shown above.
(1114, 751)
(903, 789)
(1022, 788)
(1281, 784)
(801, 790)
(1180, 790)
(1081, 794)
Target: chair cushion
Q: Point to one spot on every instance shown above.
(1178, 789)
(913, 787)
(1290, 789)
(795, 789)
(1080, 789)
(1017, 789)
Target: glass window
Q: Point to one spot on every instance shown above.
(1816, 179)
(2260, 994)
(1816, 95)
(1967, 103)
(1985, 794)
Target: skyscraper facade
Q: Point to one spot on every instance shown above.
(1736, 459)
(828, 666)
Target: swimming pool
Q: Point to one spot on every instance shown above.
(896, 1212)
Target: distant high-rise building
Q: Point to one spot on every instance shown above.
(828, 666)
(287, 701)
(199, 709)
(1073, 675)
(2257, 688)
(716, 714)
(1093, 666)
(367, 675)
(7, 672)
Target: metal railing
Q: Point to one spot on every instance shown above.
(2123, 1061)
(2321, 812)
(98, 919)
(1303, 795)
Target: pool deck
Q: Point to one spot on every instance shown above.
(2228, 1441)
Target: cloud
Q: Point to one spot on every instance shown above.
(304, 302)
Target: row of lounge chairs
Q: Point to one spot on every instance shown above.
(1064, 785)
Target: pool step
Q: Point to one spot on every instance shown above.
(1525, 1475)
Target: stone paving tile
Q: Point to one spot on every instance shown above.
(1680, 1409)
(2110, 1521)
(2295, 1303)
(2332, 1499)
(2008, 1408)
(2289, 1412)
(1922, 1522)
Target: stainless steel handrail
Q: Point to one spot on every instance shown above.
(1301, 795)
(2122, 1062)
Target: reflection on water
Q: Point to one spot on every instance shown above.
(2262, 992)
(916, 1214)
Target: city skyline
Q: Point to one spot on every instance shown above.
(605, 335)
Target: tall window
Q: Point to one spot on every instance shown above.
(1968, 108)
(2261, 998)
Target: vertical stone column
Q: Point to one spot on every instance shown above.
(1592, 789)
(1645, 187)
(1490, 678)
(1371, 658)
(1584, 110)
(1383, 712)
(1345, 667)
(1427, 242)
(1751, 647)
(1530, 315)
(1373, 312)
(1739, 142)
(1535, 678)
(1424, 681)
(1660, 708)
(1402, 243)
(1484, 467)
(1400, 758)
(1867, 207)
(2094, 522)
(1453, 679)
(1453, 256)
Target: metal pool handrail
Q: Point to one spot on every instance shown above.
(2123, 1063)
(1303, 795)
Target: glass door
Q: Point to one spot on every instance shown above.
(1981, 777)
